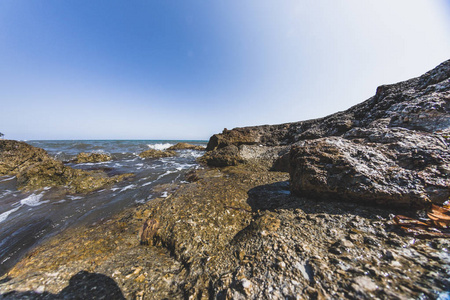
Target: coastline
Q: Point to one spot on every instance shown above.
(267, 244)
(302, 210)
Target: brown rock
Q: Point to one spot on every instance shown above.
(35, 169)
(84, 157)
(152, 153)
(148, 231)
(186, 146)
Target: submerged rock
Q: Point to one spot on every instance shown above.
(186, 146)
(35, 169)
(84, 157)
(152, 153)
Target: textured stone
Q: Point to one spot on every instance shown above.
(152, 153)
(84, 157)
(186, 146)
(35, 169)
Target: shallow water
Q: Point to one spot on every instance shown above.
(28, 218)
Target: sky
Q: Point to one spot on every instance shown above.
(172, 69)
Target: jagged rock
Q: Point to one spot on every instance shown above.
(84, 157)
(397, 152)
(391, 149)
(152, 153)
(186, 146)
(227, 156)
(35, 169)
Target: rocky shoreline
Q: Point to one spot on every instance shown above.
(293, 211)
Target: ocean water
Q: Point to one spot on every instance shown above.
(28, 218)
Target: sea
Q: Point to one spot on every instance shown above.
(28, 218)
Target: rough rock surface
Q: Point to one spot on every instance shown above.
(84, 157)
(186, 146)
(152, 153)
(392, 149)
(237, 233)
(35, 169)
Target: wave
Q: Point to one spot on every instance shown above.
(162, 146)
(33, 200)
(5, 215)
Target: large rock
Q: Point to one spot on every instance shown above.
(395, 152)
(35, 169)
(391, 149)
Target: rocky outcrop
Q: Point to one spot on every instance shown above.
(84, 157)
(152, 153)
(392, 149)
(186, 146)
(237, 233)
(35, 169)
(396, 152)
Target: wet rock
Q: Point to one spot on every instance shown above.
(84, 157)
(152, 153)
(186, 146)
(148, 231)
(35, 169)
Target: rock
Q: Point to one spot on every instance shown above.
(152, 153)
(148, 231)
(84, 157)
(186, 146)
(227, 156)
(396, 153)
(35, 169)
(392, 149)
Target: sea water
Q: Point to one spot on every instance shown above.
(28, 218)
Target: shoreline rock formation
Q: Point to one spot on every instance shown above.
(35, 169)
(392, 149)
(243, 231)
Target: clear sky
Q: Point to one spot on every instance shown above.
(186, 69)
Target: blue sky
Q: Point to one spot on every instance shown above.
(172, 69)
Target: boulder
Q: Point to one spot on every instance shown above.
(395, 152)
(84, 157)
(152, 153)
(227, 156)
(391, 149)
(186, 146)
(35, 169)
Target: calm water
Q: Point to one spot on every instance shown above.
(28, 218)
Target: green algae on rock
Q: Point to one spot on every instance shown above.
(35, 169)
(84, 157)
(152, 153)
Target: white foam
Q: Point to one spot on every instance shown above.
(74, 197)
(128, 187)
(164, 195)
(147, 183)
(33, 200)
(5, 215)
(159, 146)
(7, 179)
(165, 174)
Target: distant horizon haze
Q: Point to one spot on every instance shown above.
(166, 70)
